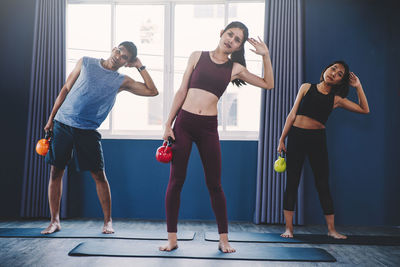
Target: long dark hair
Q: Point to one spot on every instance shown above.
(341, 89)
(238, 56)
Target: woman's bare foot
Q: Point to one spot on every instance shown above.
(172, 243)
(53, 227)
(288, 214)
(336, 235)
(330, 222)
(169, 246)
(288, 233)
(107, 228)
(224, 245)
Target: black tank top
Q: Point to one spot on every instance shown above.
(316, 105)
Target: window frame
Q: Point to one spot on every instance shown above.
(168, 71)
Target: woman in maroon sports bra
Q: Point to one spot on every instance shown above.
(206, 77)
(305, 128)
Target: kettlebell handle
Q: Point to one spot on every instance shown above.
(48, 134)
(282, 154)
(170, 141)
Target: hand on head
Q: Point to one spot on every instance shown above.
(353, 80)
(135, 63)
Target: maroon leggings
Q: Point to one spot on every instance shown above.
(203, 131)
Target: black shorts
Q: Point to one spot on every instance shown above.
(83, 146)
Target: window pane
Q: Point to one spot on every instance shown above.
(88, 34)
(106, 124)
(242, 105)
(205, 23)
(196, 29)
(252, 15)
(132, 112)
(143, 25)
(146, 29)
(89, 27)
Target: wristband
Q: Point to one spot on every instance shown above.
(141, 68)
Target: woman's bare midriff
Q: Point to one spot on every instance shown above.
(200, 102)
(305, 122)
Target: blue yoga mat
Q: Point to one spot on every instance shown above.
(93, 233)
(196, 250)
(307, 238)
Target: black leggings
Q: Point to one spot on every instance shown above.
(311, 143)
(203, 131)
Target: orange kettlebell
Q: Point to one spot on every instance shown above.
(43, 145)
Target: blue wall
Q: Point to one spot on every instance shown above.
(138, 182)
(362, 148)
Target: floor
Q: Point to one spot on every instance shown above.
(54, 251)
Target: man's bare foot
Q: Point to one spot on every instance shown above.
(53, 227)
(288, 233)
(107, 228)
(172, 243)
(336, 235)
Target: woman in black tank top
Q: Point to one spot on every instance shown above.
(306, 136)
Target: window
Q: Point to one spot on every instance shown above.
(166, 33)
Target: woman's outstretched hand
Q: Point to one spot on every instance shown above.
(260, 47)
(353, 80)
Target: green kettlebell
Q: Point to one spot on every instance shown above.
(280, 163)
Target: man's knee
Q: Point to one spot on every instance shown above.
(99, 176)
(56, 173)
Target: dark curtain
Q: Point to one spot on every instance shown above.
(47, 78)
(284, 37)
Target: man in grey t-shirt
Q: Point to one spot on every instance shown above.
(81, 106)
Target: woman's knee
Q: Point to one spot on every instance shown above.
(175, 184)
(323, 187)
(214, 188)
(289, 201)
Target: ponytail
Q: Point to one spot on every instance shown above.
(238, 56)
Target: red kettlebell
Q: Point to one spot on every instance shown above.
(164, 152)
(43, 145)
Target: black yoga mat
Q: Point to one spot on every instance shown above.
(94, 233)
(307, 238)
(196, 250)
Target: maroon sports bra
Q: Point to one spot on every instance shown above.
(210, 76)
